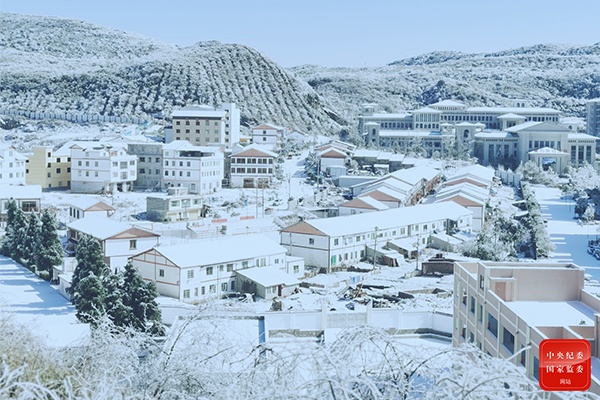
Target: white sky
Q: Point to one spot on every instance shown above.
(339, 33)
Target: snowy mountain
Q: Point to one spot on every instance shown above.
(52, 64)
(558, 76)
(59, 65)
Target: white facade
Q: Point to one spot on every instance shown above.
(199, 168)
(202, 269)
(28, 199)
(119, 240)
(268, 135)
(86, 206)
(206, 126)
(254, 166)
(331, 242)
(12, 166)
(101, 167)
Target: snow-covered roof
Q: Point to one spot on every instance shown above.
(384, 193)
(479, 192)
(516, 110)
(87, 202)
(495, 135)
(397, 185)
(105, 228)
(409, 243)
(447, 238)
(267, 127)
(408, 133)
(427, 110)
(447, 103)
(476, 170)
(390, 115)
(413, 175)
(185, 145)
(581, 136)
(463, 198)
(511, 116)
(268, 276)
(332, 153)
(21, 191)
(548, 150)
(552, 313)
(198, 113)
(254, 150)
(367, 203)
(366, 153)
(403, 216)
(208, 252)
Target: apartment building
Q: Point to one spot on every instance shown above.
(507, 309)
(49, 168)
(101, 167)
(12, 166)
(332, 242)
(253, 166)
(206, 126)
(199, 168)
(200, 269)
(177, 205)
(150, 165)
(593, 117)
(268, 135)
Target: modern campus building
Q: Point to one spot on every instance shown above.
(507, 309)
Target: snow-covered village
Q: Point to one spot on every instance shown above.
(213, 244)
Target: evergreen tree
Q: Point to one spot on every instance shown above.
(116, 310)
(7, 241)
(13, 244)
(140, 297)
(32, 244)
(89, 260)
(89, 299)
(50, 251)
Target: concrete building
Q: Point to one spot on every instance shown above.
(550, 145)
(177, 205)
(28, 198)
(252, 166)
(118, 240)
(593, 117)
(86, 206)
(12, 166)
(150, 165)
(98, 167)
(206, 126)
(201, 269)
(340, 241)
(269, 136)
(507, 309)
(199, 168)
(49, 168)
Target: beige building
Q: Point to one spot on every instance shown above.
(253, 166)
(49, 168)
(178, 205)
(507, 309)
(206, 126)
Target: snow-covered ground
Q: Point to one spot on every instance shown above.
(569, 236)
(37, 305)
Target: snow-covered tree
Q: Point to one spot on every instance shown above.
(140, 298)
(116, 310)
(13, 244)
(32, 245)
(89, 299)
(50, 251)
(589, 214)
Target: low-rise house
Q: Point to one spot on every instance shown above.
(178, 205)
(340, 241)
(98, 167)
(86, 206)
(361, 205)
(386, 195)
(200, 269)
(253, 166)
(332, 157)
(268, 135)
(28, 198)
(49, 168)
(266, 282)
(119, 240)
(12, 166)
(470, 202)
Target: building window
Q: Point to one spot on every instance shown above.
(244, 264)
(186, 294)
(190, 274)
(209, 270)
(133, 244)
(492, 325)
(203, 290)
(336, 242)
(296, 269)
(161, 273)
(472, 304)
(311, 241)
(508, 340)
(229, 267)
(212, 288)
(224, 287)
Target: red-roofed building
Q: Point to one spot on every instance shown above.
(254, 166)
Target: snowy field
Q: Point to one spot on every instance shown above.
(34, 303)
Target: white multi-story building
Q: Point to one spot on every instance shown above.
(199, 168)
(253, 166)
(12, 166)
(206, 126)
(208, 268)
(330, 242)
(268, 135)
(101, 167)
(508, 309)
